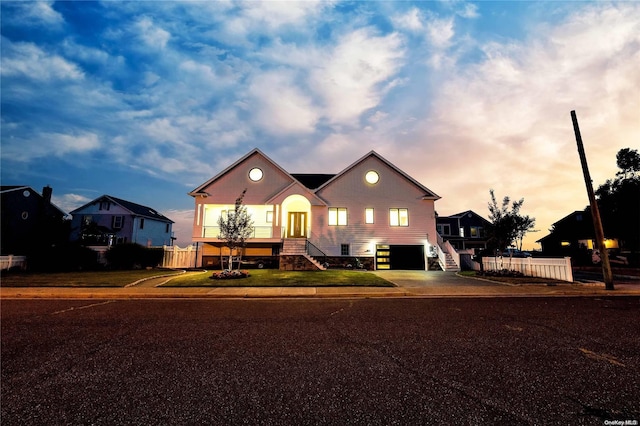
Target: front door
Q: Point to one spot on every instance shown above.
(297, 225)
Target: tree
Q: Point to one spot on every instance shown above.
(235, 228)
(507, 226)
(628, 160)
(619, 201)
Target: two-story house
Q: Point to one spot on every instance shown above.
(29, 219)
(109, 220)
(466, 230)
(371, 210)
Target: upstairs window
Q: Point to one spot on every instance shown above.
(399, 217)
(368, 215)
(104, 205)
(117, 222)
(477, 232)
(337, 216)
(141, 223)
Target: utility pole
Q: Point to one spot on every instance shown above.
(595, 212)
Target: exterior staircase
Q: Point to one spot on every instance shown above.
(449, 264)
(298, 247)
(445, 258)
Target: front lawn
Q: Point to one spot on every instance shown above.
(277, 278)
(78, 279)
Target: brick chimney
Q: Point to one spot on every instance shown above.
(46, 194)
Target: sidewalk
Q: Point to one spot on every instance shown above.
(409, 284)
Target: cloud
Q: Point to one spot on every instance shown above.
(352, 75)
(504, 122)
(411, 20)
(152, 35)
(69, 202)
(40, 14)
(23, 59)
(49, 144)
(280, 106)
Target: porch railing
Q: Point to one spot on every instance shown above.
(258, 232)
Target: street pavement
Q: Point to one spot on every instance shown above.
(420, 284)
(385, 361)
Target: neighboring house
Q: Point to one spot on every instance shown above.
(109, 220)
(29, 219)
(466, 230)
(572, 234)
(372, 211)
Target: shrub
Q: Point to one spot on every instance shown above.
(229, 275)
(133, 256)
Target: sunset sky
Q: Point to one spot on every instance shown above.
(147, 100)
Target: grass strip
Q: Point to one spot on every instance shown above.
(277, 278)
(78, 279)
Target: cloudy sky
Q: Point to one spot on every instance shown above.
(147, 100)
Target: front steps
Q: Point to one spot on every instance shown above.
(294, 256)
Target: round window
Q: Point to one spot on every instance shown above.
(372, 177)
(255, 174)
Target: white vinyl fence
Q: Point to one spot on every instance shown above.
(176, 257)
(11, 261)
(554, 268)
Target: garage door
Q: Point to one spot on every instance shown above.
(399, 257)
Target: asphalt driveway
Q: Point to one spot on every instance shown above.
(413, 279)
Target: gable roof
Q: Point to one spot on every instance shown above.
(428, 194)
(199, 189)
(5, 189)
(136, 209)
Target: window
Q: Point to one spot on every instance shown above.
(477, 231)
(166, 229)
(344, 249)
(255, 174)
(337, 216)
(461, 231)
(86, 220)
(104, 205)
(372, 177)
(399, 217)
(141, 223)
(269, 217)
(444, 229)
(117, 221)
(368, 215)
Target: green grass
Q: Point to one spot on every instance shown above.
(277, 278)
(77, 279)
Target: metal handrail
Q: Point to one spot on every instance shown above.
(313, 251)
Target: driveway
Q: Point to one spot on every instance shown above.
(413, 279)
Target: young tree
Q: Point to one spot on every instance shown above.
(236, 228)
(507, 226)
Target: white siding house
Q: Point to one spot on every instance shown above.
(371, 210)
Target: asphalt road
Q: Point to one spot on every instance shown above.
(529, 361)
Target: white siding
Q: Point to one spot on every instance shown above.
(392, 191)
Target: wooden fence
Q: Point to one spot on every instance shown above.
(553, 268)
(176, 257)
